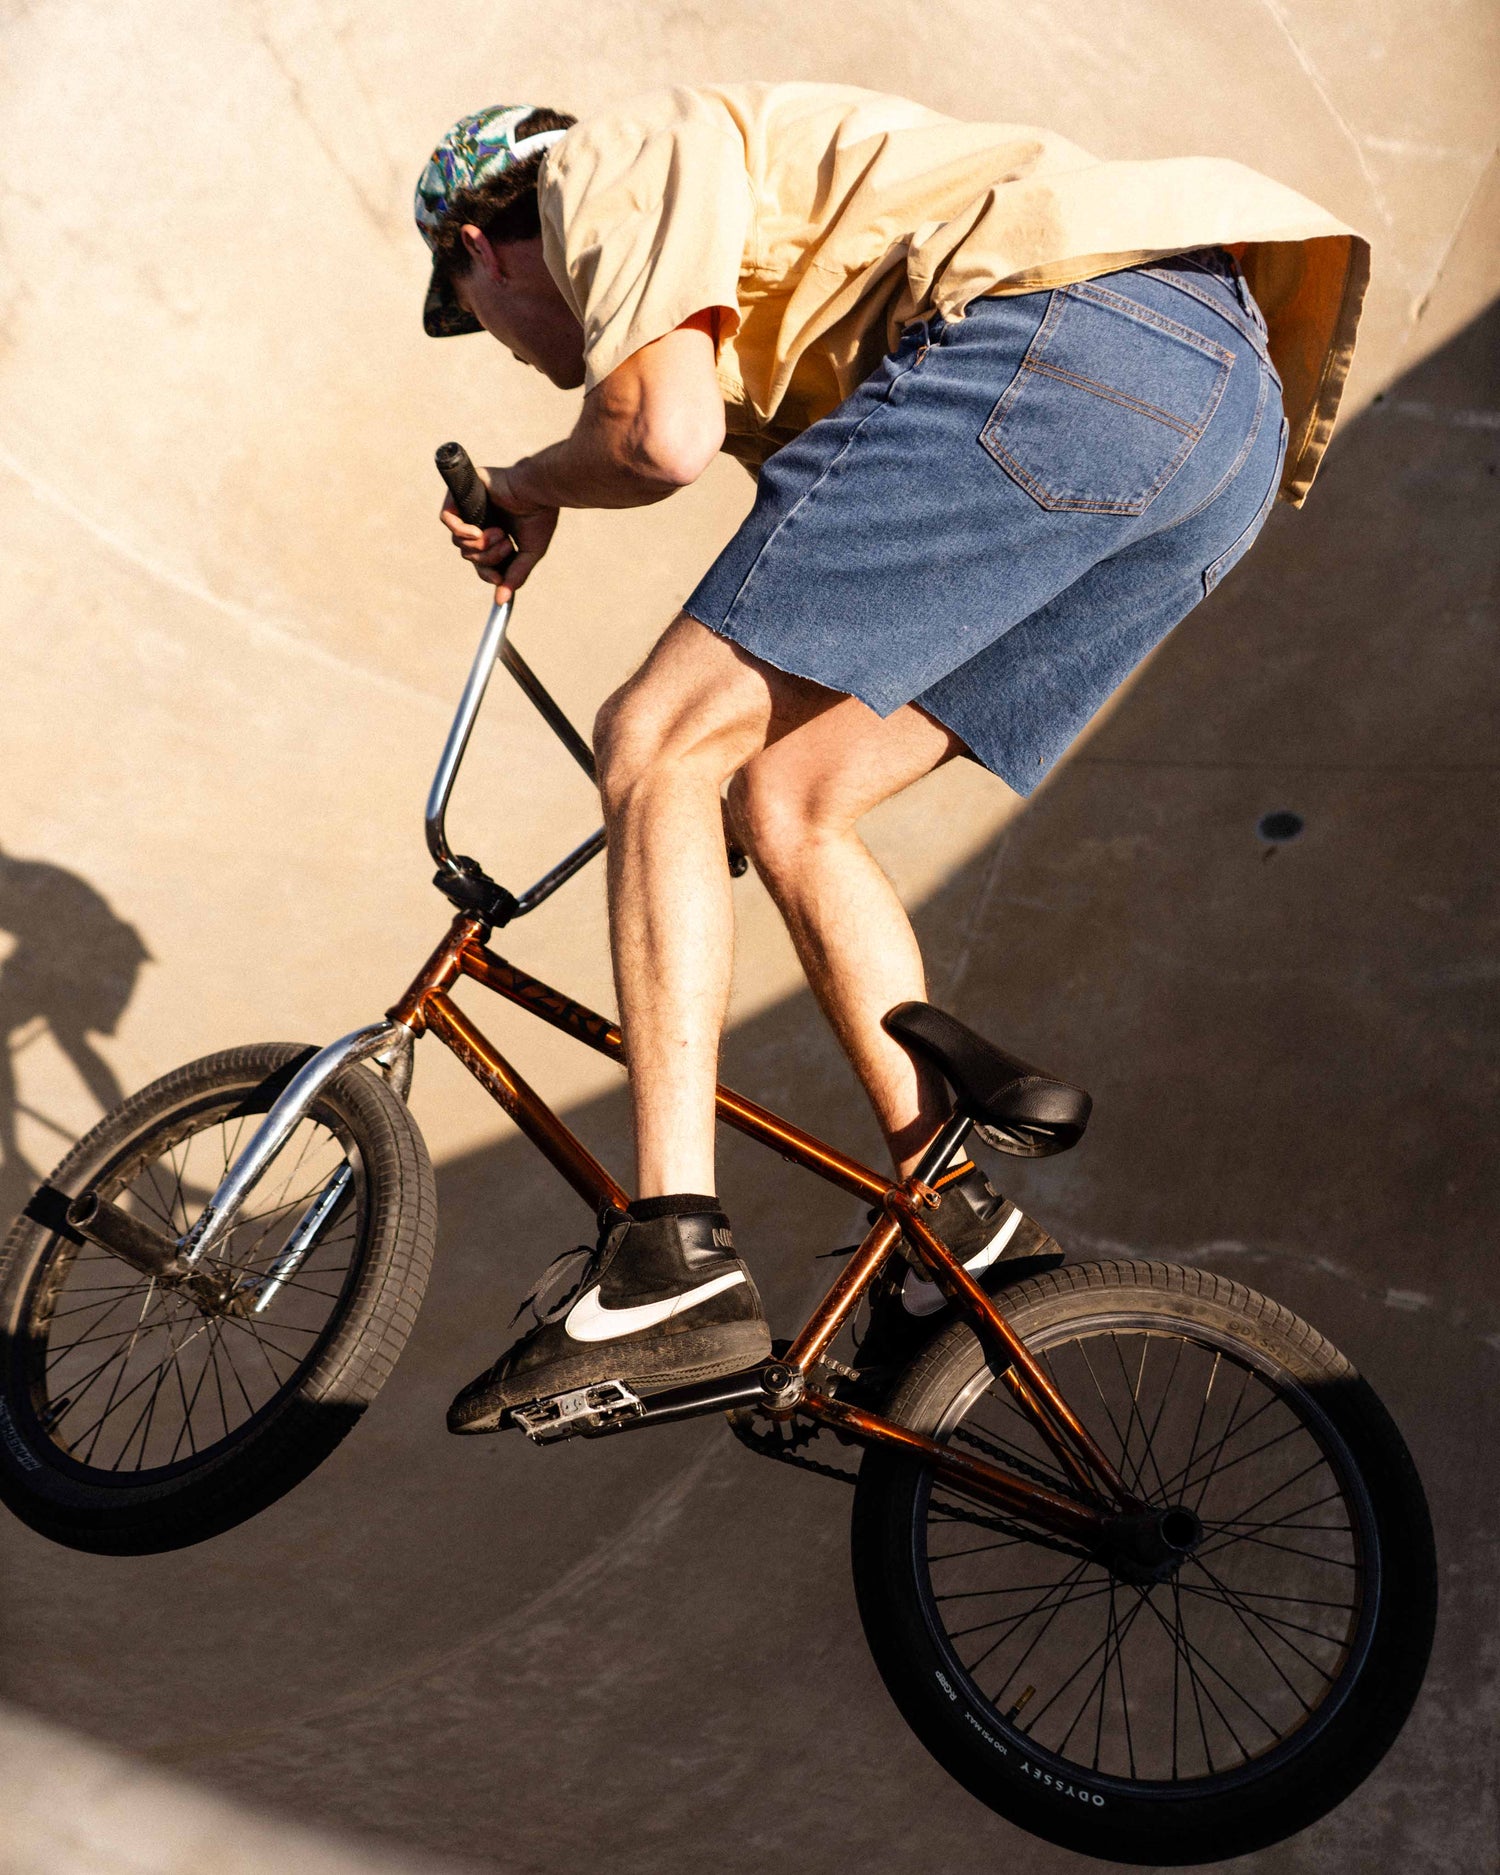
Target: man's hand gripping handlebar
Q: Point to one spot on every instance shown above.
(471, 505)
(501, 544)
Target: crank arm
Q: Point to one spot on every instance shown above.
(609, 1406)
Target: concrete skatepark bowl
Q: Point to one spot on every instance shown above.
(232, 639)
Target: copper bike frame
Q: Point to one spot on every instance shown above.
(427, 1004)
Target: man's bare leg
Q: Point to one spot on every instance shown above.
(696, 711)
(796, 806)
(699, 711)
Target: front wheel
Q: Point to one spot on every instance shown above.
(1171, 1714)
(138, 1416)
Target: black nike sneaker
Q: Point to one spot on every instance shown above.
(973, 1222)
(980, 1228)
(658, 1303)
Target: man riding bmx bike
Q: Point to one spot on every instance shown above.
(1013, 412)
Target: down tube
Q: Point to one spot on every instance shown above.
(534, 1117)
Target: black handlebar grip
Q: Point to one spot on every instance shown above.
(469, 494)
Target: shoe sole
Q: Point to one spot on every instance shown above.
(736, 1346)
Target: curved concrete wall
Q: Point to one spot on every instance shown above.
(232, 636)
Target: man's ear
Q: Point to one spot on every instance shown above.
(482, 253)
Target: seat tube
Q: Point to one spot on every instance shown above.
(943, 1149)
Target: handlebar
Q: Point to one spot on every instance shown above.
(470, 496)
(463, 880)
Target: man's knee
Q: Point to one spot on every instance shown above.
(606, 738)
(622, 745)
(674, 721)
(777, 818)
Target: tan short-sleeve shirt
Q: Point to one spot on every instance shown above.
(822, 219)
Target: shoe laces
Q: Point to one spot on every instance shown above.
(556, 1288)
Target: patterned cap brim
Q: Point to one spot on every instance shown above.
(442, 316)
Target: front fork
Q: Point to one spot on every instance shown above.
(388, 1044)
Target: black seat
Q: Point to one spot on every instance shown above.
(1016, 1107)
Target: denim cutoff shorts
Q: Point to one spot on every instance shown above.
(1012, 510)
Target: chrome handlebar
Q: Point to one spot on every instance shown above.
(490, 643)
(464, 876)
(463, 880)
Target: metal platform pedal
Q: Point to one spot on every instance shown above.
(584, 1410)
(610, 1406)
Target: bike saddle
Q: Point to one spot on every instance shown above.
(1016, 1107)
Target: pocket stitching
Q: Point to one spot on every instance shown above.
(1214, 572)
(1148, 315)
(1123, 398)
(1057, 501)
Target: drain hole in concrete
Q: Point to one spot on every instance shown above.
(1279, 827)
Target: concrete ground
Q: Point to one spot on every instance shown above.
(231, 643)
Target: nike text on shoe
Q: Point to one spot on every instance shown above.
(660, 1302)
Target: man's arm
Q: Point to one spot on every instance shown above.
(651, 427)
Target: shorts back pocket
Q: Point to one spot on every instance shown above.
(1108, 403)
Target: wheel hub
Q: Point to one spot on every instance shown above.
(1150, 1544)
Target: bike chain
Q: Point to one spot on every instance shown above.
(783, 1440)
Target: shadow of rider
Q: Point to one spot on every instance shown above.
(73, 971)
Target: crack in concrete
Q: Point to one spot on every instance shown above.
(1315, 77)
(376, 215)
(1420, 303)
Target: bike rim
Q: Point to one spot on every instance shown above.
(1190, 1686)
(131, 1383)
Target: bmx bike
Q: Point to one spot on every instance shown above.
(1142, 1560)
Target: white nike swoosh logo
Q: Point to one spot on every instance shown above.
(920, 1297)
(589, 1320)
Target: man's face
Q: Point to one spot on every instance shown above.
(510, 292)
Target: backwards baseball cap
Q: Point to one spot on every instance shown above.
(474, 151)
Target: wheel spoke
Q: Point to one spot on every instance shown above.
(1232, 1659)
(1133, 1417)
(1082, 1667)
(1068, 1583)
(1190, 1654)
(1010, 1622)
(1108, 1410)
(1227, 1598)
(125, 1395)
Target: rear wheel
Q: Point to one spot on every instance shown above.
(1156, 1710)
(139, 1416)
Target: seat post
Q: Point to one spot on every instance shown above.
(935, 1160)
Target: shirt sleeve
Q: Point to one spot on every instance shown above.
(645, 216)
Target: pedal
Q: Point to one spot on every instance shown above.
(584, 1410)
